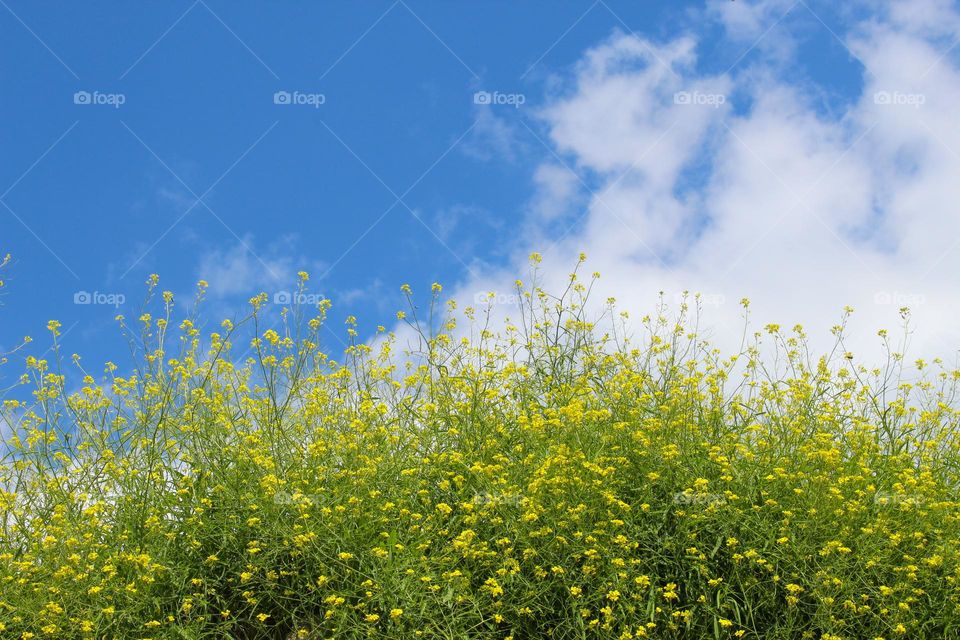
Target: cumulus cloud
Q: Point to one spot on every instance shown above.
(800, 210)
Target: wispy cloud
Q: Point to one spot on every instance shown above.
(495, 138)
(232, 270)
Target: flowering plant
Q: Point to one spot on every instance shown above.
(555, 478)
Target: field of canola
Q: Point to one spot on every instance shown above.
(547, 477)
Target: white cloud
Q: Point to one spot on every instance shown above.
(748, 21)
(239, 269)
(557, 191)
(800, 211)
(925, 17)
(493, 138)
(236, 271)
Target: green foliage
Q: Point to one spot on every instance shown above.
(552, 479)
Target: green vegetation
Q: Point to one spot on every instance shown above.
(551, 478)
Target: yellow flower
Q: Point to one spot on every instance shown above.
(493, 587)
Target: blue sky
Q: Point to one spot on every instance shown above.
(388, 171)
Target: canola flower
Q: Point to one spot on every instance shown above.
(553, 479)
